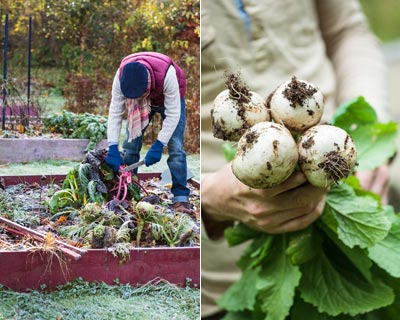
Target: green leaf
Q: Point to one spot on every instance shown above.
(256, 252)
(353, 182)
(242, 294)
(244, 315)
(239, 233)
(301, 246)
(332, 287)
(386, 253)
(354, 112)
(277, 281)
(360, 219)
(375, 142)
(302, 310)
(357, 256)
(229, 151)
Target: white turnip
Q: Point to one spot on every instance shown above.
(327, 154)
(266, 156)
(298, 104)
(236, 109)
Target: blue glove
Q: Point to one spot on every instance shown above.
(154, 154)
(114, 159)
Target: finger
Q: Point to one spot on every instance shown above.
(301, 222)
(366, 178)
(279, 218)
(294, 181)
(304, 196)
(381, 180)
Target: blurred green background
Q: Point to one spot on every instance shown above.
(384, 18)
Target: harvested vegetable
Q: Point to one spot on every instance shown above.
(298, 104)
(346, 265)
(236, 109)
(327, 155)
(266, 156)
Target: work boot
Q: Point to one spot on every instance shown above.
(183, 207)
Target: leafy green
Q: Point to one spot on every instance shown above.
(331, 285)
(239, 233)
(255, 254)
(242, 294)
(386, 253)
(301, 308)
(229, 151)
(360, 219)
(78, 126)
(356, 111)
(375, 142)
(278, 281)
(346, 265)
(356, 256)
(301, 246)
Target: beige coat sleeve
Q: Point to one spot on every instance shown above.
(355, 53)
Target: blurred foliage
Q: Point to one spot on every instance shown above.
(384, 17)
(86, 39)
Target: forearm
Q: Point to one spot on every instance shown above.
(172, 104)
(214, 224)
(116, 111)
(355, 53)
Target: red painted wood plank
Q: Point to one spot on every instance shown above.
(26, 270)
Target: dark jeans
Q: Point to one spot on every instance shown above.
(177, 156)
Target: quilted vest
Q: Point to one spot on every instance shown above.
(158, 65)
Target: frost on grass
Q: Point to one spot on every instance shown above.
(83, 300)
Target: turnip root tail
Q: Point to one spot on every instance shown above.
(327, 154)
(236, 109)
(238, 90)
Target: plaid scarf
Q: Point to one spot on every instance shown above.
(138, 114)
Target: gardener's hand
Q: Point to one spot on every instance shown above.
(293, 205)
(114, 159)
(154, 154)
(376, 181)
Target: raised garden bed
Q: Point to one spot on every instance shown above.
(14, 150)
(64, 136)
(23, 269)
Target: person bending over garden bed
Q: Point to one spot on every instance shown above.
(149, 82)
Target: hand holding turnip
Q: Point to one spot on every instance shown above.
(290, 206)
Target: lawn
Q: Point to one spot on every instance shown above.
(83, 300)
